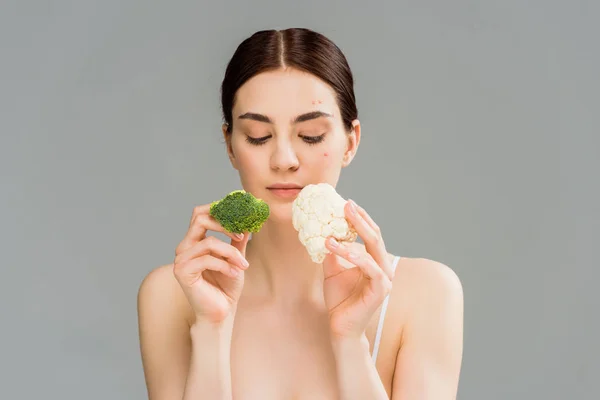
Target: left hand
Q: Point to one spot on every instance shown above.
(354, 292)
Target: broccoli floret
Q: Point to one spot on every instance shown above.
(240, 212)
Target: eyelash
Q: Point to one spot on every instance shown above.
(310, 140)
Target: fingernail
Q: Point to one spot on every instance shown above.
(239, 236)
(352, 206)
(353, 256)
(234, 272)
(245, 263)
(333, 242)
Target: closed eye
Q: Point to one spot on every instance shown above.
(311, 140)
(257, 141)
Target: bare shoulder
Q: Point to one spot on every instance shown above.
(421, 289)
(421, 283)
(427, 277)
(427, 300)
(158, 282)
(163, 333)
(159, 292)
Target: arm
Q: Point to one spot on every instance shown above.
(357, 376)
(180, 361)
(429, 361)
(210, 372)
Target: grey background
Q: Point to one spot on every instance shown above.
(480, 150)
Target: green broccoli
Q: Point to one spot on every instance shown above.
(240, 212)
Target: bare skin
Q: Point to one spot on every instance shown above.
(283, 351)
(268, 331)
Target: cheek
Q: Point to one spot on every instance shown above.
(246, 159)
(325, 158)
(248, 162)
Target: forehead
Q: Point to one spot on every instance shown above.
(283, 94)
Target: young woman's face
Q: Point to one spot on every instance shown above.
(269, 145)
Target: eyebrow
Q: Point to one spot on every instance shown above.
(300, 118)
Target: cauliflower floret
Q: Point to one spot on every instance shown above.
(318, 212)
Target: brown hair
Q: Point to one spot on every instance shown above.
(299, 48)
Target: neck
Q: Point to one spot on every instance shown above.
(281, 270)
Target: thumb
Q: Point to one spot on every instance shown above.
(331, 265)
(241, 244)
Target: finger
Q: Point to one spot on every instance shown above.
(200, 224)
(367, 218)
(240, 245)
(213, 246)
(199, 210)
(368, 231)
(191, 270)
(332, 266)
(364, 261)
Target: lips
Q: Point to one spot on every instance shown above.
(285, 190)
(285, 186)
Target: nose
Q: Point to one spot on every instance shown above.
(284, 156)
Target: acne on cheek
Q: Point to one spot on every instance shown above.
(329, 158)
(326, 160)
(320, 160)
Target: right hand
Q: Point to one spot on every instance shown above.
(210, 271)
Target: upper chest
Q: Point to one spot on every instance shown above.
(278, 355)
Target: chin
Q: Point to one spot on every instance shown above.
(280, 212)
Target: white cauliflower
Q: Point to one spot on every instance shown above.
(317, 213)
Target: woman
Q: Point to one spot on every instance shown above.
(257, 319)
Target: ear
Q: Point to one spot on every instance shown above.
(353, 142)
(227, 137)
